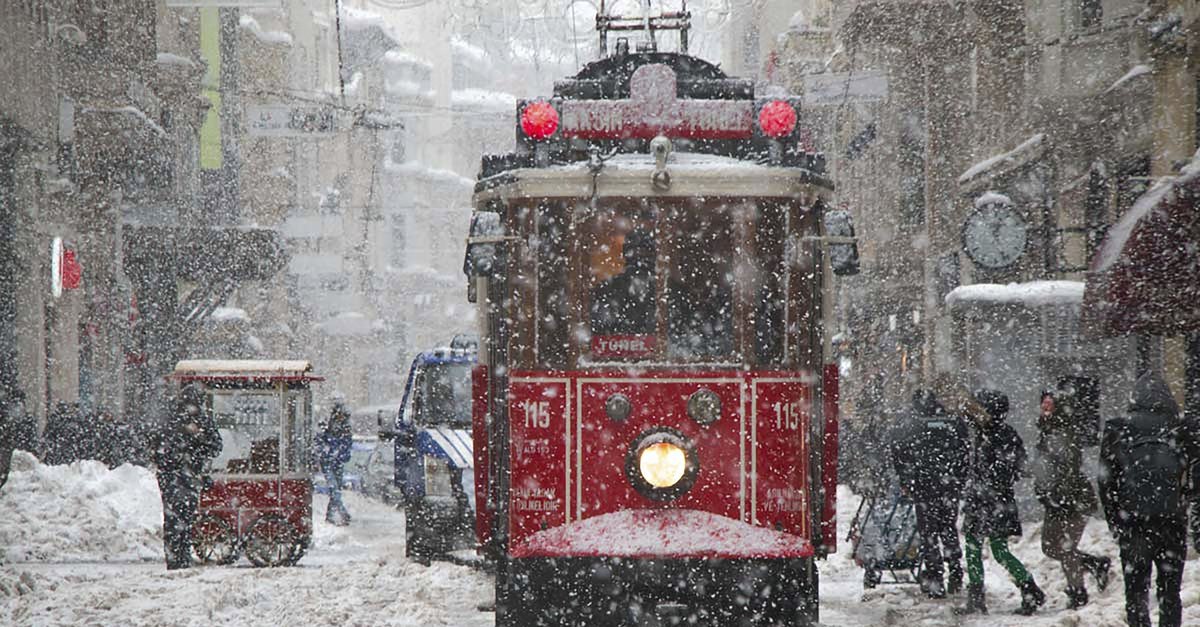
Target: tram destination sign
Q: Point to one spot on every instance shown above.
(653, 109)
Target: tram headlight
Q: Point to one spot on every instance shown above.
(662, 464)
(438, 480)
(704, 406)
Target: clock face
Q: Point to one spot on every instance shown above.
(994, 236)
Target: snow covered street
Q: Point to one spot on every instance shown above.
(61, 570)
(82, 547)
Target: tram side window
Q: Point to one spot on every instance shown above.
(553, 314)
(621, 262)
(699, 291)
(769, 307)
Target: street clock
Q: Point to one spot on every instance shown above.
(994, 235)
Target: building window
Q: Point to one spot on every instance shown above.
(1091, 13)
(399, 241)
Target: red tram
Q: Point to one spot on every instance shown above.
(655, 414)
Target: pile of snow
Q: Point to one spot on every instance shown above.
(992, 198)
(483, 100)
(1031, 294)
(671, 532)
(79, 512)
(1133, 73)
(399, 57)
(1012, 157)
(229, 314)
(1119, 234)
(251, 25)
(359, 19)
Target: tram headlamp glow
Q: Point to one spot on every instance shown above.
(662, 464)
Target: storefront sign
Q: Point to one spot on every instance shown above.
(288, 120)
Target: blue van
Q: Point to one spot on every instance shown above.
(435, 463)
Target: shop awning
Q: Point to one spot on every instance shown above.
(1145, 278)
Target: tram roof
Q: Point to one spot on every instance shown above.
(233, 369)
(629, 175)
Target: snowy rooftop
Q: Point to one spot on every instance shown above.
(1031, 294)
(1119, 234)
(1027, 150)
(242, 367)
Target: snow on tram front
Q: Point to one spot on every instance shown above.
(655, 414)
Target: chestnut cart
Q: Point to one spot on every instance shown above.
(259, 500)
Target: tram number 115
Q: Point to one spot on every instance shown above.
(787, 415)
(537, 414)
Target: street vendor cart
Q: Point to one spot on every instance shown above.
(258, 498)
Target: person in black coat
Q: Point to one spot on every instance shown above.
(929, 453)
(1144, 463)
(185, 443)
(990, 506)
(65, 434)
(625, 304)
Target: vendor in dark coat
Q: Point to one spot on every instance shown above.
(184, 445)
(990, 507)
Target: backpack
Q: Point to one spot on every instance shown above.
(1153, 477)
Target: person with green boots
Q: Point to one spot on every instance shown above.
(990, 506)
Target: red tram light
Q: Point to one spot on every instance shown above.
(777, 118)
(539, 120)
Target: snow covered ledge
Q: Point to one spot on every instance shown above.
(664, 533)
(1031, 294)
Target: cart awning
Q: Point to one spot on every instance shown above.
(1145, 278)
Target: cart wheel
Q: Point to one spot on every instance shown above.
(271, 541)
(213, 541)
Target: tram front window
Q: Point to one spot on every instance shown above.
(625, 303)
(699, 293)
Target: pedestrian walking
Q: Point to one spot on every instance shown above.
(1066, 495)
(333, 450)
(990, 505)
(65, 434)
(24, 424)
(1144, 461)
(929, 453)
(185, 443)
(8, 436)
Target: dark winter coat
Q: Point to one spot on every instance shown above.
(930, 451)
(335, 441)
(990, 507)
(186, 442)
(1058, 479)
(65, 435)
(1153, 413)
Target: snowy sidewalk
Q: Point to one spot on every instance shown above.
(85, 548)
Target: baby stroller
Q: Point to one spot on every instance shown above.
(883, 537)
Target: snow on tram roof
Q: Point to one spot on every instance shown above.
(692, 174)
(243, 367)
